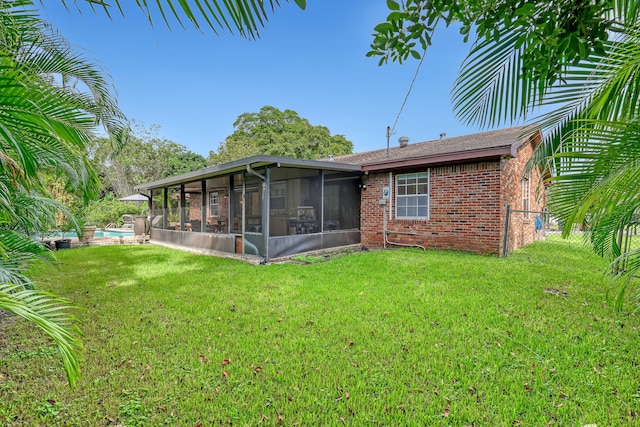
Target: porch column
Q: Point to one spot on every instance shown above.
(266, 211)
(321, 213)
(150, 204)
(204, 208)
(183, 203)
(165, 211)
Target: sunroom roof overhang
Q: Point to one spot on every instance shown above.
(241, 165)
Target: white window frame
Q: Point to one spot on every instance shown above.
(412, 193)
(214, 196)
(526, 196)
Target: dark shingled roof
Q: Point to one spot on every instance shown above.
(468, 147)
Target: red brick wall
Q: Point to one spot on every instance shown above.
(464, 211)
(467, 208)
(223, 206)
(194, 206)
(521, 226)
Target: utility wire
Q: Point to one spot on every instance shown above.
(415, 76)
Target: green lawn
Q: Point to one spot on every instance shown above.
(381, 338)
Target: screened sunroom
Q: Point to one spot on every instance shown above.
(264, 206)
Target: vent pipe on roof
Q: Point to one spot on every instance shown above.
(389, 133)
(443, 135)
(404, 141)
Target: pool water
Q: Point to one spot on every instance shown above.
(99, 233)
(112, 233)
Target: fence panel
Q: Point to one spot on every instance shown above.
(628, 241)
(522, 227)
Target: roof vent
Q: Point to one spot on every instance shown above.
(443, 135)
(404, 141)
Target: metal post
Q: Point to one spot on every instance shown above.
(165, 210)
(506, 232)
(182, 210)
(266, 206)
(204, 208)
(388, 136)
(150, 203)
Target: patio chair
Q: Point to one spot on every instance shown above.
(157, 221)
(127, 221)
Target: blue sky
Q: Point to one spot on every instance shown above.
(194, 85)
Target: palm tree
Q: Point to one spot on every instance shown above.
(578, 60)
(53, 103)
(45, 123)
(592, 144)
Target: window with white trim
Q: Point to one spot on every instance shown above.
(213, 203)
(526, 196)
(412, 195)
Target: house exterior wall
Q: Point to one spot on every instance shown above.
(467, 208)
(195, 207)
(522, 227)
(464, 210)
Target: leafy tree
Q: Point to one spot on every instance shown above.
(146, 157)
(578, 59)
(279, 133)
(45, 122)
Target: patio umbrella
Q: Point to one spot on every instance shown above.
(135, 198)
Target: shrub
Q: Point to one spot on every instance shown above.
(110, 210)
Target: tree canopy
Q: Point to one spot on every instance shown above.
(580, 60)
(146, 157)
(279, 133)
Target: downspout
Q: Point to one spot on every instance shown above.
(265, 208)
(390, 195)
(384, 223)
(253, 172)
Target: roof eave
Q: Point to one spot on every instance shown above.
(457, 157)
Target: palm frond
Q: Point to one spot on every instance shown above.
(48, 313)
(488, 90)
(246, 17)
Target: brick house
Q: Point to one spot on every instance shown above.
(445, 194)
(451, 193)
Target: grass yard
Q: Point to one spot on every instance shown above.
(381, 338)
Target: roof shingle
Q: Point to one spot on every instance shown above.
(467, 144)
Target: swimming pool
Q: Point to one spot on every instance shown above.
(99, 233)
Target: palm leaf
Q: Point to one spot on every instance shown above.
(47, 312)
(245, 16)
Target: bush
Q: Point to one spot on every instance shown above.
(109, 210)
